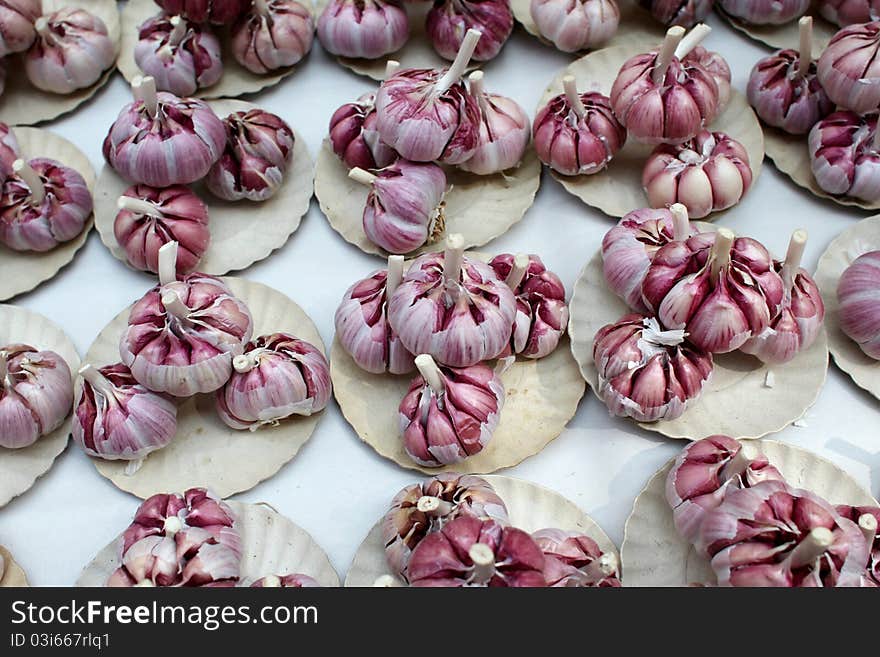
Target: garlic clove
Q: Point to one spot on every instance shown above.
(17, 18)
(845, 155)
(685, 13)
(272, 34)
(849, 71)
(574, 26)
(765, 12)
(363, 29)
(449, 20)
(857, 295)
(294, 581)
(575, 559)
(216, 12)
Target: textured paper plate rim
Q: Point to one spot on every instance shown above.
(784, 36)
(653, 553)
(531, 507)
(13, 575)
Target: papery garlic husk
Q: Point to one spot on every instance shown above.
(849, 12)
(772, 534)
(421, 509)
(449, 20)
(685, 13)
(278, 376)
(849, 69)
(473, 552)
(216, 12)
(294, 581)
(765, 12)
(577, 24)
(36, 394)
(17, 18)
(259, 147)
(449, 414)
(573, 559)
(858, 296)
(181, 57)
(43, 204)
(9, 152)
(718, 68)
(354, 137)
(705, 174)
(363, 29)
(118, 418)
(719, 288)
(273, 34)
(541, 311)
(180, 540)
(705, 472)
(71, 51)
(845, 155)
(861, 515)
(648, 373)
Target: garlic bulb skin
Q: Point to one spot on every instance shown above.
(858, 296)
(848, 69)
(363, 29)
(36, 394)
(785, 99)
(449, 20)
(294, 581)
(845, 155)
(216, 12)
(272, 34)
(849, 12)
(17, 18)
(8, 152)
(765, 12)
(354, 137)
(685, 13)
(575, 559)
(577, 25)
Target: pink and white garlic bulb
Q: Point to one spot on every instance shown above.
(706, 174)
(183, 334)
(294, 581)
(577, 24)
(36, 394)
(216, 12)
(181, 57)
(278, 376)
(868, 519)
(8, 152)
(765, 12)
(118, 418)
(162, 140)
(718, 68)
(272, 34)
(449, 20)
(71, 51)
(858, 296)
(363, 29)
(180, 540)
(453, 308)
(648, 373)
(577, 133)
(685, 13)
(17, 18)
(849, 12)
(845, 155)
(849, 69)
(42, 204)
(573, 559)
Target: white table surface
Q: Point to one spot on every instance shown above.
(337, 487)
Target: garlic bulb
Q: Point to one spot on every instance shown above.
(575, 559)
(473, 552)
(849, 70)
(717, 67)
(71, 51)
(449, 20)
(273, 34)
(17, 18)
(577, 24)
(577, 133)
(685, 13)
(42, 204)
(454, 308)
(705, 174)
(845, 155)
(294, 581)
(36, 394)
(867, 518)
(765, 12)
(354, 137)
(848, 12)
(421, 509)
(217, 12)
(118, 418)
(858, 292)
(8, 152)
(403, 205)
(162, 140)
(363, 29)
(181, 57)
(183, 334)
(276, 377)
(180, 540)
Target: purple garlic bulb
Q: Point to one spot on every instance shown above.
(575, 559)
(363, 29)
(216, 12)
(857, 294)
(17, 18)
(849, 12)
(294, 581)
(354, 137)
(849, 69)
(765, 12)
(273, 34)
(8, 152)
(449, 20)
(845, 155)
(685, 13)
(573, 25)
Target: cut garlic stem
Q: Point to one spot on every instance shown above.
(452, 257)
(460, 64)
(272, 582)
(261, 7)
(793, 257)
(136, 83)
(361, 176)
(868, 525)
(738, 464)
(244, 363)
(385, 582)
(430, 373)
(569, 86)
(172, 525)
(811, 547)
(172, 303)
(805, 50)
(32, 179)
(674, 36)
(391, 67)
(97, 380)
(600, 568)
(692, 40)
(477, 90)
(720, 255)
(681, 225)
(139, 206)
(145, 583)
(178, 30)
(517, 271)
(484, 562)
(395, 275)
(4, 367)
(145, 89)
(167, 263)
(434, 506)
(41, 25)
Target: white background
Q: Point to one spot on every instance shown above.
(337, 487)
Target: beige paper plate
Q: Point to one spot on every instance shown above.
(480, 208)
(531, 507)
(787, 35)
(618, 189)
(20, 468)
(13, 575)
(23, 104)
(735, 402)
(271, 545)
(653, 552)
(23, 271)
(242, 232)
(205, 451)
(846, 247)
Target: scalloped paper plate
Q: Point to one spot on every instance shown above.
(12, 574)
(784, 36)
(653, 552)
(617, 189)
(23, 271)
(735, 402)
(242, 232)
(271, 545)
(846, 247)
(206, 452)
(20, 468)
(23, 104)
(531, 507)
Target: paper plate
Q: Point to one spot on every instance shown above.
(23, 271)
(480, 208)
(12, 574)
(846, 247)
(271, 545)
(735, 402)
(23, 104)
(653, 552)
(206, 452)
(20, 468)
(242, 232)
(617, 189)
(787, 35)
(531, 507)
